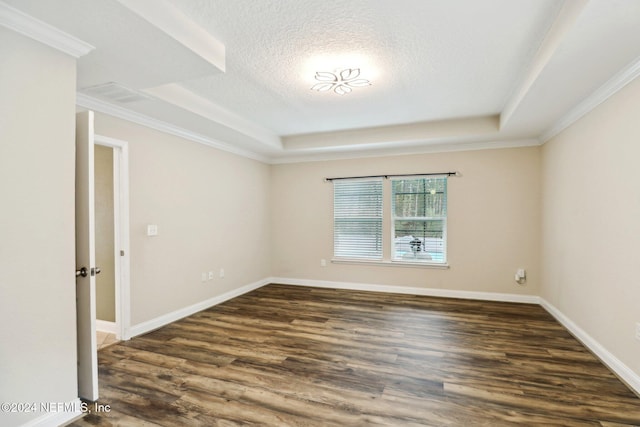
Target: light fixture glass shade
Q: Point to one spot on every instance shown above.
(341, 82)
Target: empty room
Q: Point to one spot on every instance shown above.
(303, 213)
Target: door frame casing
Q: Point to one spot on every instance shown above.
(121, 233)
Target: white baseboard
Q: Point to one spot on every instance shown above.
(58, 418)
(106, 326)
(150, 325)
(626, 374)
(445, 293)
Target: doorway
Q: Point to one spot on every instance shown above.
(112, 239)
(106, 326)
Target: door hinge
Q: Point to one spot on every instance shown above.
(121, 253)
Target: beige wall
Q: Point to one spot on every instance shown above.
(493, 222)
(591, 223)
(105, 281)
(37, 285)
(211, 208)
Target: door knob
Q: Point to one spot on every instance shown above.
(83, 272)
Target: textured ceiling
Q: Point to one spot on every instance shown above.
(445, 74)
(427, 60)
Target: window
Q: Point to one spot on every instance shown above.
(357, 219)
(419, 219)
(416, 223)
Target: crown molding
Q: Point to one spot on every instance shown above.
(29, 26)
(98, 105)
(406, 134)
(600, 95)
(415, 150)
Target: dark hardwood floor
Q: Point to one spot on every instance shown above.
(284, 355)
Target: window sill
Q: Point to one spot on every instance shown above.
(390, 263)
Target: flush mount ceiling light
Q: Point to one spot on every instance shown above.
(341, 81)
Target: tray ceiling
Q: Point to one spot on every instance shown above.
(444, 74)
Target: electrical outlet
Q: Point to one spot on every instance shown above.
(221, 272)
(211, 275)
(323, 263)
(638, 331)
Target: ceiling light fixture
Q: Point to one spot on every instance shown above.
(341, 81)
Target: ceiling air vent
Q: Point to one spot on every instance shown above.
(114, 92)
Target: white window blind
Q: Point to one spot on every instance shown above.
(419, 219)
(357, 219)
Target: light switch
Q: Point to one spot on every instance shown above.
(152, 230)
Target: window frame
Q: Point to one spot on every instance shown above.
(393, 218)
(388, 229)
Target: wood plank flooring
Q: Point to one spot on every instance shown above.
(295, 356)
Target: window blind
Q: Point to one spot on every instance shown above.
(357, 219)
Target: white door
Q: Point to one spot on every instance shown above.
(85, 259)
